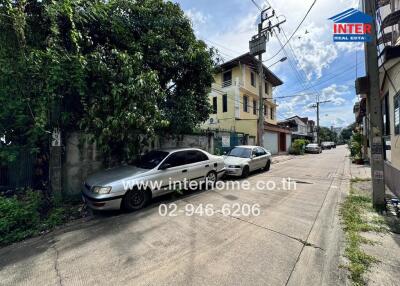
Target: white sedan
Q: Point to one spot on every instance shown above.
(154, 174)
(242, 160)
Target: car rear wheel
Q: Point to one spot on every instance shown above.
(267, 166)
(135, 199)
(245, 172)
(211, 178)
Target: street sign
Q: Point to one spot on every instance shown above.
(258, 45)
(226, 141)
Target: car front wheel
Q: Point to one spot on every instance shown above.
(245, 172)
(267, 166)
(135, 199)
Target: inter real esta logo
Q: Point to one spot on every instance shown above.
(352, 26)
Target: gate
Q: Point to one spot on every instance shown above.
(19, 173)
(224, 143)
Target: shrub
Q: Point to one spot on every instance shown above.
(298, 146)
(356, 145)
(19, 218)
(26, 215)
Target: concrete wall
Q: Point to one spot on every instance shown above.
(392, 178)
(82, 158)
(204, 142)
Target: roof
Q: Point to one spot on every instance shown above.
(253, 62)
(351, 16)
(174, 149)
(294, 117)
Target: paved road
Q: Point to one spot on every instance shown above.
(296, 240)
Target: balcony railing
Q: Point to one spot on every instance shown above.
(226, 83)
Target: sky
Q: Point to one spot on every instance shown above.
(315, 65)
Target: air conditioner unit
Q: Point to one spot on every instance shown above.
(213, 121)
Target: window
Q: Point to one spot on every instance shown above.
(224, 103)
(385, 115)
(227, 78)
(266, 87)
(265, 110)
(397, 114)
(240, 152)
(245, 103)
(254, 107)
(253, 79)
(214, 105)
(176, 159)
(151, 159)
(272, 113)
(260, 152)
(195, 156)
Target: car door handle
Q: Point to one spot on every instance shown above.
(184, 171)
(207, 166)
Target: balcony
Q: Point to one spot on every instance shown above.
(226, 83)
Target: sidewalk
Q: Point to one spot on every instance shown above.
(360, 171)
(384, 244)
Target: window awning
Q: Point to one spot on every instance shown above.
(382, 3)
(387, 37)
(391, 19)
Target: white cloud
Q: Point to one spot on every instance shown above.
(313, 54)
(197, 18)
(334, 94)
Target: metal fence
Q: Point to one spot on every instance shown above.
(19, 173)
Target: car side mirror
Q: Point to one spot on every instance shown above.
(165, 166)
(253, 156)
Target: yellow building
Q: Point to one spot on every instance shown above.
(235, 101)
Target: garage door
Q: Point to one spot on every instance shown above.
(271, 142)
(288, 142)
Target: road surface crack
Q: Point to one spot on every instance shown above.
(304, 242)
(56, 265)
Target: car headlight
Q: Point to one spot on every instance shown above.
(234, 166)
(101, 190)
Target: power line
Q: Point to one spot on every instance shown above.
(255, 4)
(295, 31)
(222, 46)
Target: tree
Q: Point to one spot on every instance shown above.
(119, 70)
(346, 133)
(326, 134)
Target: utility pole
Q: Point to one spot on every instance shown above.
(260, 127)
(316, 105)
(258, 47)
(375, 112)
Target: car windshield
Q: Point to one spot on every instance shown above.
(150, 160)
(240, 152)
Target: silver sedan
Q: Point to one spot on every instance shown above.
(242, 160)
(154, 174)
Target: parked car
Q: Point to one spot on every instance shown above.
(333, 144)
(132, 186)
(326, 145)
(242, 160)
(313, 148)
